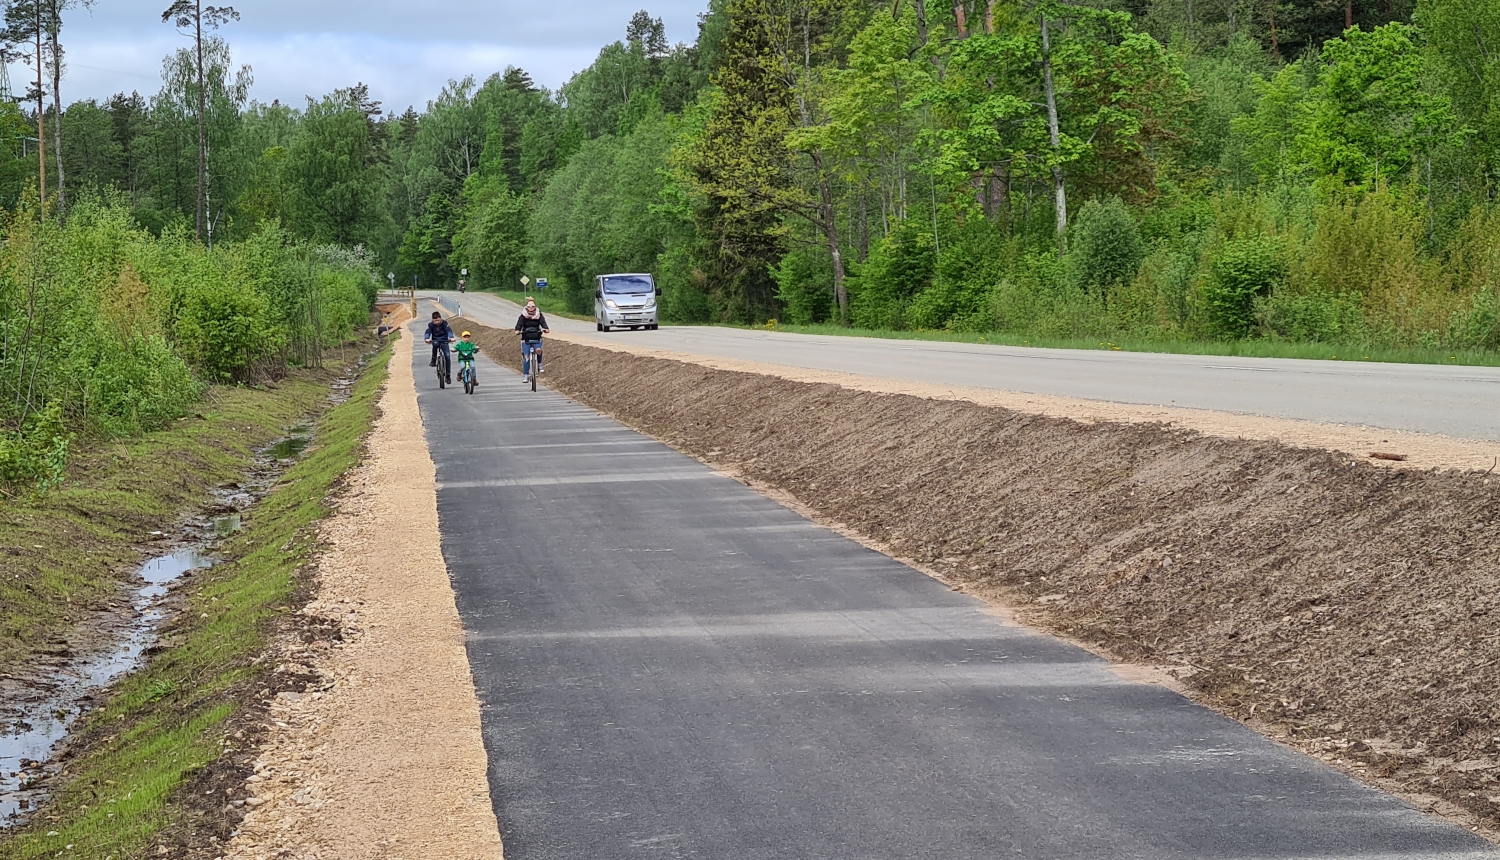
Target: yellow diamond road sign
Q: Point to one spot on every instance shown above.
(525, 280)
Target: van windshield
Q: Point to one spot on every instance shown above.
(629, 285)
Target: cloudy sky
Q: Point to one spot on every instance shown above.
(405, 51)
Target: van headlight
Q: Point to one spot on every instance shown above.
(610, 303)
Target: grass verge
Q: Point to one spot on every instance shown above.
(137, 764)
(550, 303)
(1245, 348)
(67, 553)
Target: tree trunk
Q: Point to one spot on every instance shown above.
(62, 184)
(864, 226)
(921, 21)
(998, 192)
(202, 128)
(41, 115)
(831, 233)
(961, 19)
(1348, 14)
(989, 18)
(1059, 188)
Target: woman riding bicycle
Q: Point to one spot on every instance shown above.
(531, 325)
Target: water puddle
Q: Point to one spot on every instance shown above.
(292, 446)
(37, 726)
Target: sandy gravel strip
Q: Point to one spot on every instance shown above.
(388, 762)
(1423, 451)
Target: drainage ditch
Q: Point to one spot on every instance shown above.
(34, 730)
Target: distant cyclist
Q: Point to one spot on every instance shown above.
(467, 349)
(531, 325)
(439, 334)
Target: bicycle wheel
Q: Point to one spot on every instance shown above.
(533, 371)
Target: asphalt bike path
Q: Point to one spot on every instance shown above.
(1454, 401)
(673, 666)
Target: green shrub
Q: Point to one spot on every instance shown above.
(1316, 317)
(804, 280)
(37, 454)
(1478, 326)
(1242, 271)
(225, 329)
(900, 266)
(1105, 248)
(131, 386)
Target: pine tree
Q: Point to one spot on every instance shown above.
(741, 165)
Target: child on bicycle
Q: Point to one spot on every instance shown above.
(467, 349)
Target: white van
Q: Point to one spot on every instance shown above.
(625, 300)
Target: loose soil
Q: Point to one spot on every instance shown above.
(382, 756)
(1345, 607)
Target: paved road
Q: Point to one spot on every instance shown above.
(1455, 401)
(673, 666)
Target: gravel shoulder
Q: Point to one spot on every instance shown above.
(386, 759)
(1327, 600)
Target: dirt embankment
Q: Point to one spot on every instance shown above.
(1346, 608)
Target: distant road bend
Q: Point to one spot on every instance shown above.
(1462, 402)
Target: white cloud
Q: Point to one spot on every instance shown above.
(405, 51)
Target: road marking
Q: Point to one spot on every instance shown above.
(551, 480)
(564, 445)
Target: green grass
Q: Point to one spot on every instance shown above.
(166, 722)
(550, 303)
(1245, 348)
(67, 552)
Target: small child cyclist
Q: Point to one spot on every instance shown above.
(467, 349)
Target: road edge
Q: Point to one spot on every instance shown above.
(387, 759)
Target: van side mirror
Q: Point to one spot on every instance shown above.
(598, 294)
(658, 291)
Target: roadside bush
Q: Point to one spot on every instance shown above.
(37, 454)
(1478, 326)
(225, 329)
(1156, 302)
(1105, 248)
(974, 259)
(1040, 298)
(1242, 271)
(900, 266)
(106, 330)
(1315, 317)
(804, 280)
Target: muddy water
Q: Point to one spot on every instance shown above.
(292, 446)
(29, 742)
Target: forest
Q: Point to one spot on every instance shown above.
(1297, 171)
(1164, 171)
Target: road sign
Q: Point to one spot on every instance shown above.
(464, 272)
(541, 283)
(525, 280)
